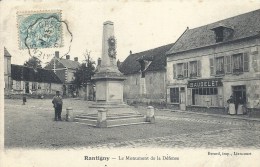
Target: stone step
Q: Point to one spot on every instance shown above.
(138, 123)
(86, 121)
(113, 122)
(125, 121)
(110, 117)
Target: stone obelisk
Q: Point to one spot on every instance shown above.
(108, 80)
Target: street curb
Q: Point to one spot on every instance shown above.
(216, 115)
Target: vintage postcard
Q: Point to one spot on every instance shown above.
(130, 83)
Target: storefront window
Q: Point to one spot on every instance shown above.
(204, 92)
(174, 95)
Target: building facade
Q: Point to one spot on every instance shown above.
(64, 69)
(208, 64)
(7, 70)
(146, 75)
(26, 80)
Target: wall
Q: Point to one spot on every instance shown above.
(7, 72)
(18, 87)
(154, 83)
(70, 75)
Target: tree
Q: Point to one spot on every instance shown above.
(83, 75)
(33, 62)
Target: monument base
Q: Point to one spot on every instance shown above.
(113, 117)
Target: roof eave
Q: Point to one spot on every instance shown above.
(220, 43)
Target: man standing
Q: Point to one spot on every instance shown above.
(57, 104)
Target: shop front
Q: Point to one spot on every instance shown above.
(205, 92)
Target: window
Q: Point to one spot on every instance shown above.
(219, 35)
(201, 95)
(193, 69)
(174, 95)
(34, 86)
(39, 86)
(174, 70)
(237, 63)
(220, 65)
(211, 63)
(18, 85)
(228, 64)
(180, 70)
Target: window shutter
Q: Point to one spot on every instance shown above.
(211, 62)
(246, 62)
(185, 69)
(199, 68)
(174, 71)
(228, 64)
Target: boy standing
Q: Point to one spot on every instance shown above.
(57, 104)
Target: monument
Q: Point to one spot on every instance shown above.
(109, 80)
(110, 109)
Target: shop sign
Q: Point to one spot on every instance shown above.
(205, 83)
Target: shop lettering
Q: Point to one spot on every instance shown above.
(207, 83)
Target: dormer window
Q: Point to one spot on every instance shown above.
(144, 63)
(222, 33)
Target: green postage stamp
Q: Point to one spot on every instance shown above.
(39, 30)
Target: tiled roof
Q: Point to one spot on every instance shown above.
(23, 73)
(6, 53)
(156, 55)
(245, 25)
(70, 63)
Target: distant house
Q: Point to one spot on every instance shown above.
(64, 69)
(7, 70)
(146, 75)
(207, 64)
(21, 79)
(34, 81)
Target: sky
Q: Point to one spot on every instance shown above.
(138, 25)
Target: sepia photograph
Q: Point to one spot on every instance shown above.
(129, 83)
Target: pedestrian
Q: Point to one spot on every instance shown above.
(57, 104)
(230, 100)
(231, 107)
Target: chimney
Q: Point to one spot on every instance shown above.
(57, 54)
(76, 59)
(118, 63)
(99, 61)
(130, 52)
(67, 57)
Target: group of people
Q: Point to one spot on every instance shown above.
(237, 103)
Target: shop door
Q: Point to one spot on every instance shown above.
(239, 92)
(26, 87)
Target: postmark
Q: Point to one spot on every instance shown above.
(39, 29)
(42, 33)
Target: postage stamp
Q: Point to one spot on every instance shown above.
(41, 29)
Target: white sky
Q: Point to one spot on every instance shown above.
(139, 25)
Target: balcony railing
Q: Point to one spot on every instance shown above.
(238, 71)
(193, 75)
(220, 72)
(180, 76)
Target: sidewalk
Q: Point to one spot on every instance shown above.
(241, 117)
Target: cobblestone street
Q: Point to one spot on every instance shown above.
(31, 126)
